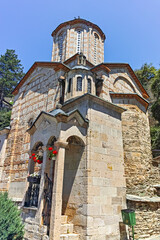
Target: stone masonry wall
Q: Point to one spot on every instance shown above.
(106, 182)
(147, 218)
(3, 143)
(137, 150)
(39, 92)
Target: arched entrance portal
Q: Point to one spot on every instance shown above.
(74, 181)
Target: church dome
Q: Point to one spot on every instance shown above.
(75, 36)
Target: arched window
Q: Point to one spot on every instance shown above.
(60, 44)
(78, 41)
(79, 83)
(89, 85)
(69, 85)
(95, 47)
(30, 122)
(62, 91)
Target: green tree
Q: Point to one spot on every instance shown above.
(156, 85)
(11, 72)
(11, 227)
(146, 74)
(149, 76)
(5, 117)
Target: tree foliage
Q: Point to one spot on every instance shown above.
(146, 74)
(11, 227)
(5, 117)
(150, 79)
(155, 137)
(11, 72)
(156, 85)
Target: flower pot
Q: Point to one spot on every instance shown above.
(35, 180)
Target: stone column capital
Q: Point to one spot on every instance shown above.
(61, 144)
(29, 152)
(44, 148)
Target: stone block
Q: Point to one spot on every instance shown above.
(63, 219)
(66, 228)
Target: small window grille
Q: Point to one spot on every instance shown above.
(69, 85)
(79, 84)
(89, 85)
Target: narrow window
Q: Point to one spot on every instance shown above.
(69, 85)
(62, 91)
(79, 84)
(30, 122)
(95, 47)
(60, 43)
(79, 41)
(89, 85)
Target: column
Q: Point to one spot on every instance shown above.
(41, 190)
(55, 221)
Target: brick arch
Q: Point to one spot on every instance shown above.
(120, 78)
(32, 167)
(51, 141)
(77, 133)
(75, 140)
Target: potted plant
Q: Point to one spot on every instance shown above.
(37, 158)
(52, 154)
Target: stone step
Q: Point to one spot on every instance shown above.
(64, 219)
(71, 236)
(66, 228)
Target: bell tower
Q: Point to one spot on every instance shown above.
(78, 36)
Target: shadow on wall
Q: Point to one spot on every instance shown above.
(73, 181)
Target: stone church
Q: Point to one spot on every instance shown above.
(94, 116)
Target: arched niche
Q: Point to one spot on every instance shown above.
(50, 164)
(74, 181)
(37, 149)
(126, 85)
(51, 141)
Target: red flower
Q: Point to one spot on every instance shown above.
(34, 158)
(39, 161)
(49, 158)
(55, 152)
(50, 148)
(30, 157)
(33, 154)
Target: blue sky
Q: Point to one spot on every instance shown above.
(132, 28)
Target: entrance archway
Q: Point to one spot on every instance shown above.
(73, 181)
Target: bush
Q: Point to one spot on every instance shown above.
(11, 227)
(155, 136)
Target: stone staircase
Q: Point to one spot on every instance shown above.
(67, 230)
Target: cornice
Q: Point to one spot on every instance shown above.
(56, 65)
(140, 99)
(100, 67)
(79, 21)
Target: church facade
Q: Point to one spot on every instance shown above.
(78, 150)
